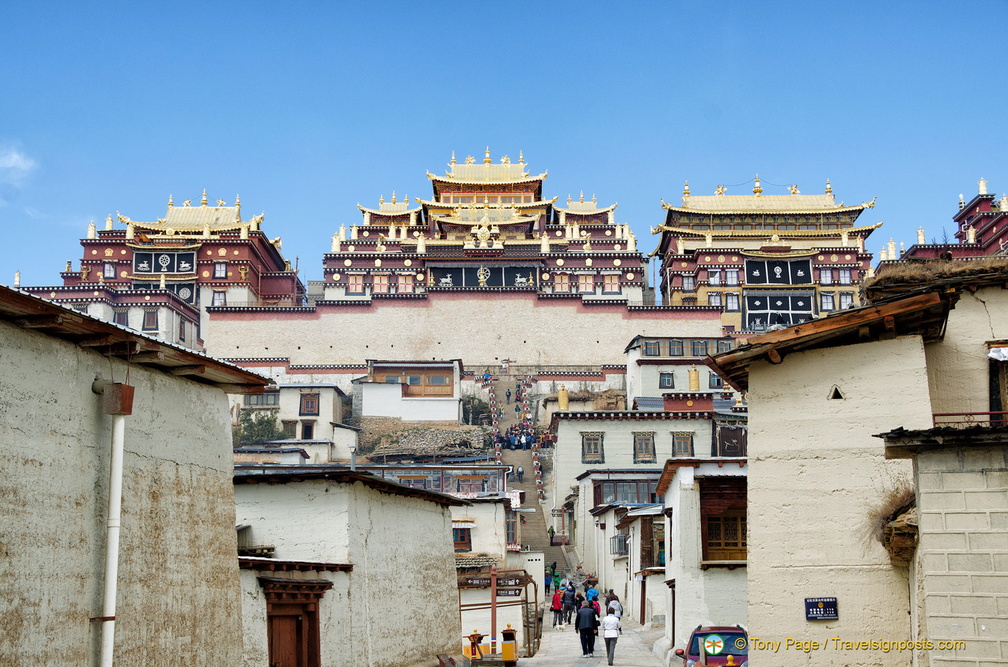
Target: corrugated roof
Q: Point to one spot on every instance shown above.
(649, 403)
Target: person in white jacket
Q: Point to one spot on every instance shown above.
(611, 630)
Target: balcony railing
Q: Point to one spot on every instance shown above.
(969, 419)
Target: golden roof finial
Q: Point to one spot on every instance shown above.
(593, 198)
(170, 201)
(238, 204)
(829, 188)
(521, 158)
(381, 199)
(793, 189)
(221, 202)
(720, 190)
(569, 200)
(393, 197)
(757, 190)
(202, 200)
(486, 158)
(685, 189)
(453, 157)
(505, 160)
(581, 198)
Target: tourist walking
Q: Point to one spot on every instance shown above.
(587, 627)
(557, 606)
(521, 474)
(611, 630)
(508, 395)
(568, 602)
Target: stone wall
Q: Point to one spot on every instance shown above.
(477, 328)
(178, 597)
(963, 504)
(816, 476)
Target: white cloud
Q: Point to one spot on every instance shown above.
(15, 166)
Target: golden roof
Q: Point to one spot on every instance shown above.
(471, 172)
(750, 233)
(191, 219)
(760, 203)
(431, 203)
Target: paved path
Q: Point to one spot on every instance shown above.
(563, 649)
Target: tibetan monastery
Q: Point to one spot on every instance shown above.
(160, 276)
(486, 269)
(981, 230)
(486, 229)
(765, 259)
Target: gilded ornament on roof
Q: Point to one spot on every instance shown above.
(187, 202)
(720, 190)
(793, 189)
(470, 159)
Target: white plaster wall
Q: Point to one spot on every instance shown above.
(958, 366)
(376, 533)
(53, 495)
(716, 596)
(431, 409)
(816, 474)
(617, 446)
(381, 399)
(333, 616)
(595, 334)
(488, 535)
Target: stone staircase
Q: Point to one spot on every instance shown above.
(533, 530)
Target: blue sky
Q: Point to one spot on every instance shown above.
(307, 109)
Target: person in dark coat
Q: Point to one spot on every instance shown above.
(587, 627)
(568, 603)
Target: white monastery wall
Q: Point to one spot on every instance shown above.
(480, 329)
(53, 494)
(488, 535)
(406, 607)
(716, 596)
(957, 366)
(816, 475)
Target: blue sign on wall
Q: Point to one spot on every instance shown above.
(821, 609)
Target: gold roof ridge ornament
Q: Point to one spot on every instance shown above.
(521, 158)
(720, 190)
(203, 199)
(757, 188)
(486, 158)
(452, 158)
(685, 190)
(829, 188)
(170, 201)
(793, 189)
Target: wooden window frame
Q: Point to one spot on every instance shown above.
(289, 427)
(462, 538)
(404, 284)
(592, 447)
(561, 283)
(718, 532)
(682, 443)
(150, 319)
(220, 270)
(662, 377)
(644, 447)
(309, 425)
(586, 283)
(611, 284)
(651, 348)
(309, 405)
(380, 283)
(355, 283)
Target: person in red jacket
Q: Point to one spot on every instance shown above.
(557, 607)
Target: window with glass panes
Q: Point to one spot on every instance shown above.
(626, 491)
(826, 302)
(825, 277)
(380, 284)
(725, 346)
(846, 300)
(309, 404)
(611, 284)
(731, 301)
(591, 448)
(405, 284)
(355, 284)
(675, 348)
(698, 348)
(714, 299)
(652, 348)
(713, 277)
(731, 277)
(219, 299)
(845, 277)
(666, 381)
(561, 282)
(644, 447)
(109, 271)
(682, 444)
(220, 270)
(586, 283)
(689, 283)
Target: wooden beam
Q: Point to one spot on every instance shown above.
(40, 321)
(124, 348)
(247, 389)
(774, 356)
(97, 340)
(188, 370)
(148, 357)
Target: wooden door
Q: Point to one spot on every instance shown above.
(288, 636)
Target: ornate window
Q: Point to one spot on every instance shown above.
(561, 282)
(666, 381)
(688, 283)
(405, 285)
(355, 284)
(219, 299)
(731, 302)
(591, 448)
(731, 277)
(611, 284)
(220, 270)
(652, 348)
(644, 448)
(826, 302)
(845, 277)
(825, 276)
(586, 283)
(698, 348)
(726, 536)
(109, 271)
(714, 277)
(846, 300)
(309, 404)
(675, 348)
(289, 428)
(714, 299)
(380, 284)
(682, 444)
(150, 320)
